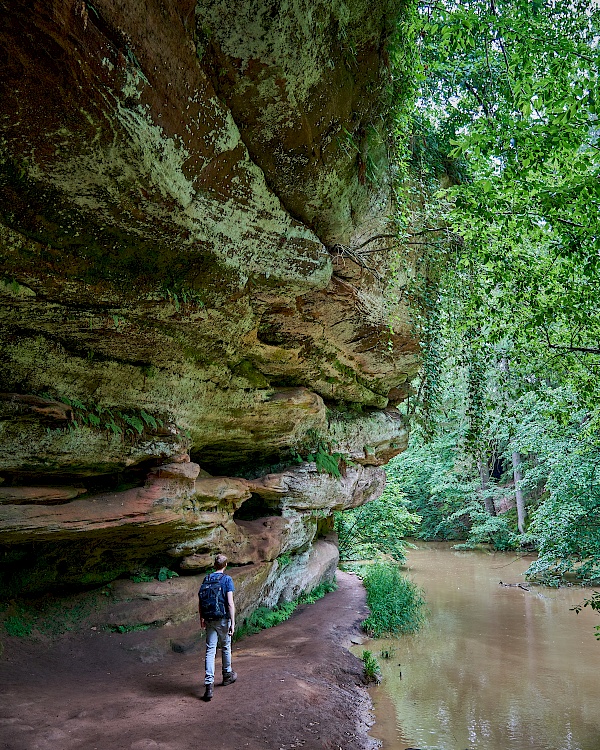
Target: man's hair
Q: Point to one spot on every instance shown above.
(220, 562)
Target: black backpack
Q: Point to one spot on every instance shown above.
(212, 599)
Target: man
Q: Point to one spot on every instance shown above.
(217, 615)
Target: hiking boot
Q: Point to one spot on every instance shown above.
(208, 693)
(229, 678)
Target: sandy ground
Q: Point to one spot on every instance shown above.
(298, 687)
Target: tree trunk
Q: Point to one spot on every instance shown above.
(518, 476)
(484, 474)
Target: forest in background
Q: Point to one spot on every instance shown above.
(500, 174)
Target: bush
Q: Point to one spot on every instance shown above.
(397, 604)
(485, 529)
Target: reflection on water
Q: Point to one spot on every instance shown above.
(496, 668)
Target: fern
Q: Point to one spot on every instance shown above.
(134, 422)
(327, 463)
(149, 419)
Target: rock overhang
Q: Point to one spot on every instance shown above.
(174, 277)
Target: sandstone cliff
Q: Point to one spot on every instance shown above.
(192, 304)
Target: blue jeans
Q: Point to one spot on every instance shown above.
(217, 632)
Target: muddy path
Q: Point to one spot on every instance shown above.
(298, 687)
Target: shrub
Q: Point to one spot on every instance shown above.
(499, 531)
(397, 604)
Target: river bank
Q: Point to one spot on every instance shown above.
(298, 687)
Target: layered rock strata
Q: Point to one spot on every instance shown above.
(196, 260)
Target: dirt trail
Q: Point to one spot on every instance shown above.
(297, 688)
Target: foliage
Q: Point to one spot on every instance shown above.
(509, 89)
(436, 484)
(164, 574)
(17, 627)
(127, 628)
(486, 529)
(552, 428)
(327, 463)
(114, 421)
(144, 575)
(182, 296)
(397, 604)
(284, 560)
(402, 85)
(593, 602)
(566, 524)
(376, 528)
(265, 617)
(310, 597)
(505, 123)
(503, 192)
(315, 448)
(371, 667)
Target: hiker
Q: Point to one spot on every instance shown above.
(217, 615)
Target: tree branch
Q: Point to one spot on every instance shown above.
(569, 223)
(565, 348)
(584, 349)
(372, 239)
(478, 98)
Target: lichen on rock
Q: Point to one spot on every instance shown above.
(185, 318)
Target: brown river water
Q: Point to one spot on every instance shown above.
(495, 668)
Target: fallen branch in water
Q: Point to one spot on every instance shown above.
(514, 585)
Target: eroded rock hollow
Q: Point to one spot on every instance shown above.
(197, 305)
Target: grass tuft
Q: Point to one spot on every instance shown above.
(127, 628)
(397, 604)
(371, 667)
(309, 597)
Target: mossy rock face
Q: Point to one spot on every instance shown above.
(305, 88)
(179, 277)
